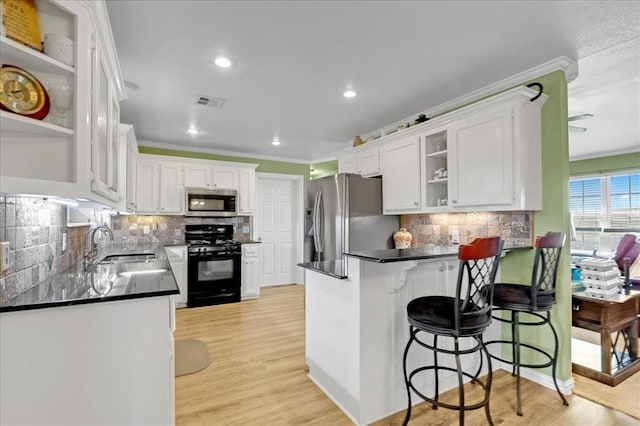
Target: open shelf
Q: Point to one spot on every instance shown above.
(16, 54)
(443, 180)
(10, 122)
(439, 154)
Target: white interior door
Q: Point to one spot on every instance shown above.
(277, 227)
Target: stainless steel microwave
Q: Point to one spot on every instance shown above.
(211, 202)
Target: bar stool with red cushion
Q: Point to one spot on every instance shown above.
(468, 314)
(536, 300)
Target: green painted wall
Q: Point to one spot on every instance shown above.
(265, 166)
(601, 165)
(327, 168)
(517, 265)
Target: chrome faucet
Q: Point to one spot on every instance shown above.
(91, 247)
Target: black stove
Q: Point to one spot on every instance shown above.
(214, 265)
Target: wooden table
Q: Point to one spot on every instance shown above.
(608, 316)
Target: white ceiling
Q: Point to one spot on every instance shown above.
(292, 61)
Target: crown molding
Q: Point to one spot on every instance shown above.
(564, 64)
(162, 145)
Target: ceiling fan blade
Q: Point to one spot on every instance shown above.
(580, 117)
(577, 129)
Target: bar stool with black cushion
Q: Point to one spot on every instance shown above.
(467, 314)
(536, 300)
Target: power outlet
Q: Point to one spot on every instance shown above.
(4, 257)
(455, 236)
(145, 229)
(64, 241)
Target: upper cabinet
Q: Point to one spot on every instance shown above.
(365, 163)
(160, 182)
(403, 179)
(495, 158)
(53, 156)
(485, 156)
(207, 176)
(105, 110)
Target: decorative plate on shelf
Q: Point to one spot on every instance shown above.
(22, 93)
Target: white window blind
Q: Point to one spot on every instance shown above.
(606, 203)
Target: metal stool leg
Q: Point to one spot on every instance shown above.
(513, 345)
(406, 377)
(460, 380)
(435, 371)
(516, 361)
(487, 392)
(555, 359)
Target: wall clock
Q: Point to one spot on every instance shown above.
(22, 93)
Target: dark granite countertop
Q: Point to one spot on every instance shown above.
(333, 268)
(400, 255)
(102, 283)
(251, 242)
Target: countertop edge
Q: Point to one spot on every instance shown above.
(321, 271)
(34, 306)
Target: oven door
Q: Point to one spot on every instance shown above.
(213, 279)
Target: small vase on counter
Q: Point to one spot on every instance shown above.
(402, 239)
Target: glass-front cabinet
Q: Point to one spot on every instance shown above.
(50, 152)
(105, 131)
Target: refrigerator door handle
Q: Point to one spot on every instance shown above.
(315, 221)
(320, 223)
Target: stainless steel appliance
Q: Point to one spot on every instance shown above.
(213, 266)
(211, 202)
(344, 213)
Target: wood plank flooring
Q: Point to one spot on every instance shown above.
(259, 377)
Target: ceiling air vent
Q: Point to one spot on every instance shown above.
(209, 101)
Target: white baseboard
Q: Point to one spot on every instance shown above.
(537, 376)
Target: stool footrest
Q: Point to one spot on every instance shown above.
(432, 401)
(525, 345)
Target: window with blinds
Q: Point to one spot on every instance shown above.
(609, 203)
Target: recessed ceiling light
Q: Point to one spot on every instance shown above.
(222, 62)
(349, 94)
(193, 131)
(275, 142)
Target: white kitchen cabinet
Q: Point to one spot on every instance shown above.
(348, 164)
(128, 137)
(495, 157)
(114, 360)
(437, 170)
(481, 154)
(249, 271)
(105, 131)
(224, 177)
(403, 168)
(53, 156)
(365, 163)
(208, 176)
(172, 198)
(197, 176)
(146, 181)
(177, 256)
(246, 191)
(159, 187)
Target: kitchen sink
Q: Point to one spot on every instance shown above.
(129, 258)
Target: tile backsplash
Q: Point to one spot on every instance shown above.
(435, 229)
(35, 228)
(170, 229)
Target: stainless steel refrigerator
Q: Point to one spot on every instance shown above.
(344, 213)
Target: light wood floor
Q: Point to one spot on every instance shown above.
(258, 376)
